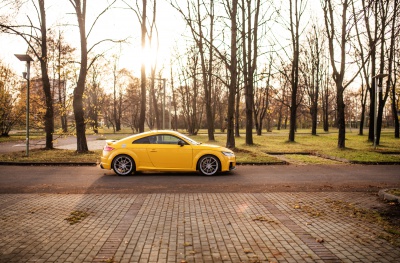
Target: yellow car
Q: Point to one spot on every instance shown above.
(165, 151)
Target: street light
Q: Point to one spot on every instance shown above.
(26, 75)
(379, 76)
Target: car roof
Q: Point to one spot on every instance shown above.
(152, 132)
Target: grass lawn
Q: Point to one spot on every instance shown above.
(358, 149)
(266, 149)
(51, 156)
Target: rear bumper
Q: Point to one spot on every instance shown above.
(105, 166)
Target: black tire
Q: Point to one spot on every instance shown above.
(123, 165)
(209, 165)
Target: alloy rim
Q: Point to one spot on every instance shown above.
(123, 165)
(209, 165)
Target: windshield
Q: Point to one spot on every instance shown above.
(190, 140)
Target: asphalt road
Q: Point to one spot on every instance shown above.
(245, 179)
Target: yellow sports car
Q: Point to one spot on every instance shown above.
(165, 151)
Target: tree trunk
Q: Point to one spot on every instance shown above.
(49, 115)
(314, 116)
(338, 75)
(249, 62)
(325, 107)
(279, 125)
(230, 139)
(142, 116)
(390, 61)
(341, 117)
(372, 46)
(361, 128)
(207, 77)
(153, 99)
(237, 113)
(395, 115)
(80, 88)
(295, 35)
(292, 124)
(61, 91)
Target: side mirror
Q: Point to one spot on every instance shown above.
(181, 143)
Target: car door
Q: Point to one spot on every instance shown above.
(139, 148)
(165, 153)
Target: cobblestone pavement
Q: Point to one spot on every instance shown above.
(237, 227)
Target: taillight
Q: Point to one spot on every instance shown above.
(108, 148)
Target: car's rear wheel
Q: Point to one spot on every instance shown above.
(123, 165)
(209, 165)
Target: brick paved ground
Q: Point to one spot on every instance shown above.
(270, 227)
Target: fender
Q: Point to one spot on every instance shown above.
(198, 155)
(123, 152)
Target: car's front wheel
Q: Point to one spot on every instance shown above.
(208, 165)
(123, 165)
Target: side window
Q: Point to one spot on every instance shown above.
(158, 139)
(144, 140)
(168, 139)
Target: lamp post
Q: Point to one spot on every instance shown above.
(26, 75)
(379, 76)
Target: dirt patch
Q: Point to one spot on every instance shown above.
(382, 213)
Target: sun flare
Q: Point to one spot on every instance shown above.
(148, 57)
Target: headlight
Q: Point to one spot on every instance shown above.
(228, 154)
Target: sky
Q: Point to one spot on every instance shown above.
(116, 24)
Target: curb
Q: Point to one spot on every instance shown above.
(375, 163)
(95, 164)
(254, 164)
(266, 163)
(334, 158)
(48, 164)
(383, 194)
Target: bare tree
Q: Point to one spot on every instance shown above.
(378, 20)
(197, 14)
(232, 9)
(37, 42)
(174, 123)
(59, 65)
(80, 11)
(338, 68)
(117, 94)
(293, 25)
(132, 103)
(396, 67)
(296, 12)
(262, 99)
(312, 69)
(94, 95)
(364, 60)
(249, 34)
(387, 51)
(189, 91)
(153, 71)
